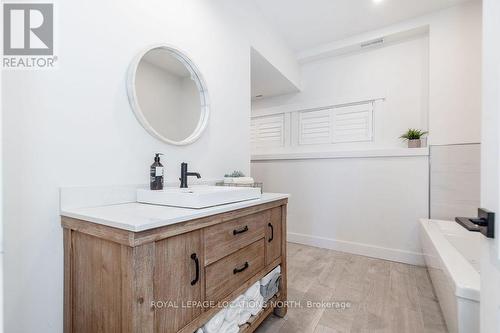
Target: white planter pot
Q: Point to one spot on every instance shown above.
(414, 143)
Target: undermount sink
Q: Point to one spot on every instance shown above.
(197, 196)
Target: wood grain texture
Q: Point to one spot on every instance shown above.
(282, 310)
(68, 282)
(127, 294)
(273, 235)
(210, 312)
(96, 285)
(138, 238)
(384, 297)
(255, 321)
(112, 276)
(183, 227)
(222, 239)
(101, 231)
(220, 276)
(173, 273)
(143, 268)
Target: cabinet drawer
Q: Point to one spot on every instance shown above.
(226, 238)
(226, 275)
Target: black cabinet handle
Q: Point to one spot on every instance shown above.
(197, 265)
(241, 269)
(240, 231)
(270, 225)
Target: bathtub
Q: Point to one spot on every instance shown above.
(452, 258)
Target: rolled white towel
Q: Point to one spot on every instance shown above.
(255, 305)
(200, 330)
(239, 301)
(233, 329)
(232, 312)
(266, 279)
(244, 316)
(254, 291)
(228, 327)
(214, 324)
(228, 180)
(253, 297)
(243, 180)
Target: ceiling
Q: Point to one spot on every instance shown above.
(266, 80)
(308, 23)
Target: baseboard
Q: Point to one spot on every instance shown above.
(407, 257)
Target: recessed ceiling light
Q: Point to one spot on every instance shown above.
(377, 1)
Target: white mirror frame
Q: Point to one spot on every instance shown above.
(195, 75)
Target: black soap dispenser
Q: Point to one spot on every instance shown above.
(156, 174)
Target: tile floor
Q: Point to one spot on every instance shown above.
(384, 296)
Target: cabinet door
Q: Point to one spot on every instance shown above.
(273, 236)
(176, 281)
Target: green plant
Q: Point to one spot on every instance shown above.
(413, 134)
(235, 174)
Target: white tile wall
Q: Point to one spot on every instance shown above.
(454, 181)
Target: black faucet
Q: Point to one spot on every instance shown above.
(185, 174)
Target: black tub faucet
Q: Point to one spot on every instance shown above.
(185, 174)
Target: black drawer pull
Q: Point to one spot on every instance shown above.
(270, 225)
(239, 270)
(240, 231)
(197, 265)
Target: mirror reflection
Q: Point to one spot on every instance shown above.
(169, 96)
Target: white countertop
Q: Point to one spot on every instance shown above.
(134, 216)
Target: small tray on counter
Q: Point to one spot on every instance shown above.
(256, 184)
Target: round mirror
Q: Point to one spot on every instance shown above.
(168, 95)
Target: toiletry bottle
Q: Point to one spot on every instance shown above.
(156, 174)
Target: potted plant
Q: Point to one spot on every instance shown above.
(414, 137)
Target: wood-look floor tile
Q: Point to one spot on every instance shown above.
(325, 329)
(429, 305)
(271, 325)
(305, 317)
(384, 296)
(305, 267)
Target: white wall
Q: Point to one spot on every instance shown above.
(432, 81)
(247, 17)
(368, 206)
(1, 211)
(455, 181)
(455, 75)
(74, 126)
(397, 72)
(327, 195)
(490, 181)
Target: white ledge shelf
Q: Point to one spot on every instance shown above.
(366, 153)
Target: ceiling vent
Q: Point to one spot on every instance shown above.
(373, 43)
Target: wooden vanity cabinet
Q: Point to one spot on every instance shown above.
(157, 280)
(179, 278)
(273, 235)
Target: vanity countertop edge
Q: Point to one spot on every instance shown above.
(138, 217)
